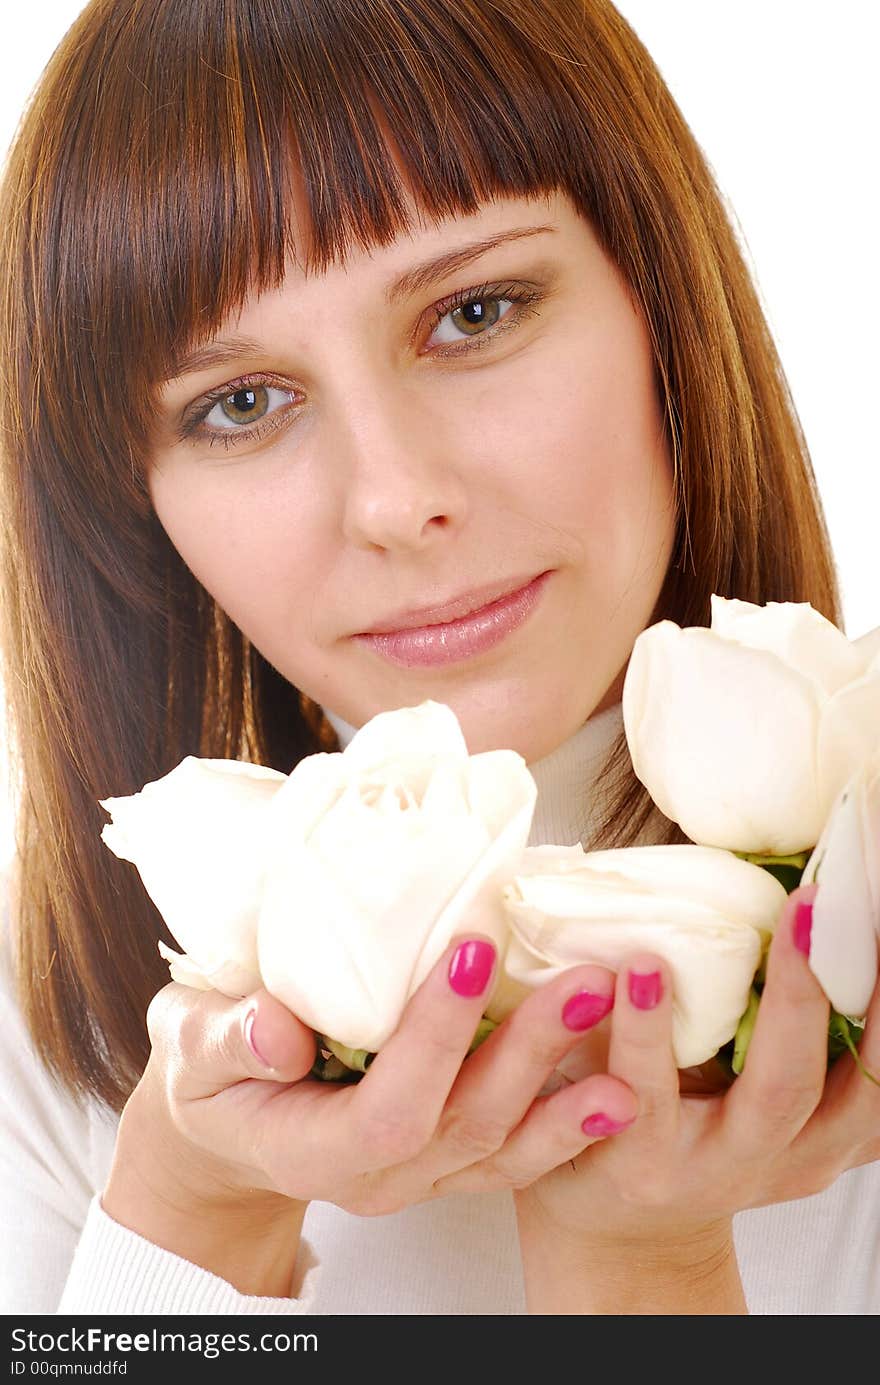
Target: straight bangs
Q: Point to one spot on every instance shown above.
(204, 144)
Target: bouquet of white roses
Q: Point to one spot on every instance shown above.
(760, 737)
(338, 887)
(795, 708)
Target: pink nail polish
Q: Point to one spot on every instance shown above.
(471, 967)
(645, 989)
(583, 1010)
(599, 1124)
(803, 925)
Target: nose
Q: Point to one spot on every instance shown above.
(403, 486)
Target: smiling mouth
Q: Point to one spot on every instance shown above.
(456, 608)
(459, 629)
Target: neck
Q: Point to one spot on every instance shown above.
(567, 810)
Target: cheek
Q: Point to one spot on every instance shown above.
(245, 547)
(591, 435)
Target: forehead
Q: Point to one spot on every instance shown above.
(425, 251)
(499, 218)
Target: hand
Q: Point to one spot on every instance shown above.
(782, 1130)
(211, 1126)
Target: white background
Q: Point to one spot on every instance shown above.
(783, 98)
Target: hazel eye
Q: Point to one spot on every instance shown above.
(246, 405)
(472, 318)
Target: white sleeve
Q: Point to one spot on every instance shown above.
(59, 1251)
(116, 1271)
(44, 1157)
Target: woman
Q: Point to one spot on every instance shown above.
(324, 327)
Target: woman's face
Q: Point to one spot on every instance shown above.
(398, 498)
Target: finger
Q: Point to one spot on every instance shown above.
(850, 1103)
(781, 1082)
(862, 1078)
(556, 1128)
(208, 1042)
(397, 1105)
(496, 1086)
(640, 1052)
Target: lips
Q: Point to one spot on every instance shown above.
(455, 609)
(457, 630)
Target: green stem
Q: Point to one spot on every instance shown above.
(357, 1059)
(743, 1036)
(798, 860)
(843, 1036)
(843, 1033)
(484, 1029)
(329, 1069)
(840, 1031)
(337, 1063)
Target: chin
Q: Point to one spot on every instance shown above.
(531, 733)
(496, 714)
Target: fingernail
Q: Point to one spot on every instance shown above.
(645, 989)
(803, 925)
(600, 1124)
(249, 1039)
(585, 1009)
(471, 967)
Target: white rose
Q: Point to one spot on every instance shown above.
(745, 734)
(846, 910)
(708, 914)
(196, 836)
(376, 857)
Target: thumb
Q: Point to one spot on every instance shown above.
(276, 1044)
(202, 1041)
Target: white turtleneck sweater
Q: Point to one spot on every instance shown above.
(60, 1252)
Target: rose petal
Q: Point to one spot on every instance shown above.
(318, 954)
(410, 731)
(705, 911)
(478, 903)
(712, 971)
(717, 734)
(230, 979)
(846, 909)
(868, 648)
(796, 633)
(698, 880)
(849, 733)
(197, 837)
(359, 906)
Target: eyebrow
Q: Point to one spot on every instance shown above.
(420, 276)
(411, 281)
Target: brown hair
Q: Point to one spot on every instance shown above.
(147, 191)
